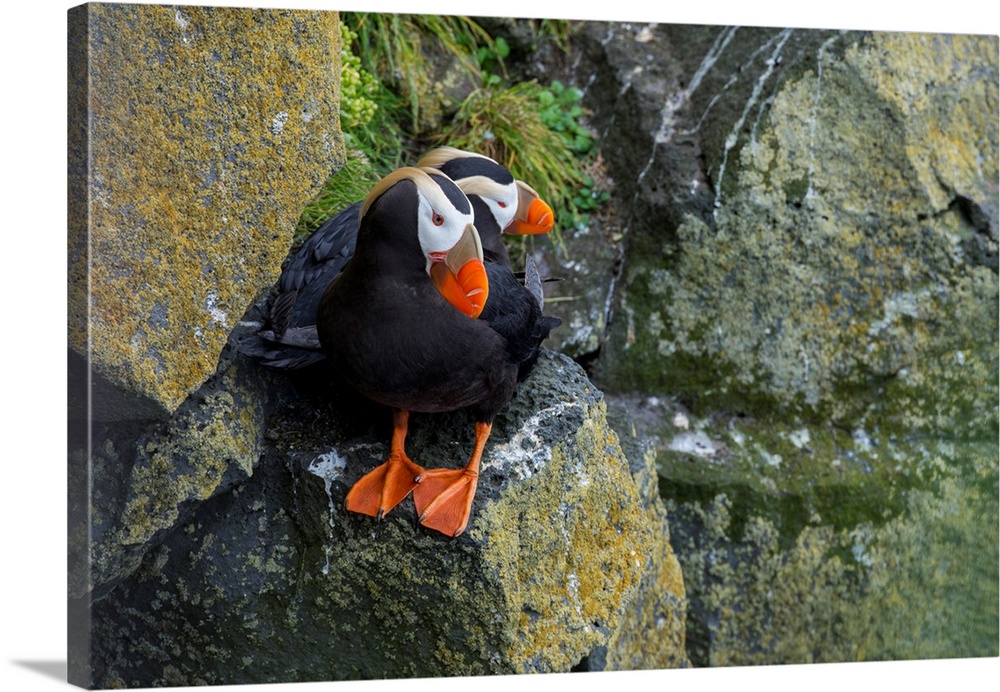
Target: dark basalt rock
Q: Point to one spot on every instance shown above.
(280, 583)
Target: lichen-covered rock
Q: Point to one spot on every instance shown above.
(145, 478)
(823, 573)
(200, 134)
(654, 632)
(849, 261)
(806, 326)
(805, 543)
(275, 581)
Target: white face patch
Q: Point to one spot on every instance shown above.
(503, 208)
(439, 224)
(500, 199)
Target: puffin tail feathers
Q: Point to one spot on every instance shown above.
(297, 348)
(533, 280)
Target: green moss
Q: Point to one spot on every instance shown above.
(832, 285)
(147, 478)
(790, 475)
(805, 544)
(796, 190)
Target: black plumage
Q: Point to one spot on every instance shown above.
(307, 274)
(390, 332)
(291, 340)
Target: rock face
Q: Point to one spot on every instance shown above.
(796, 317)
(847, 237)
(806, 324)
(145, 478)
(281, 584)
(196, 136)
(208, 541)
(198, 153)
(586, 265)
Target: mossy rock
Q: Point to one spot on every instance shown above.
(275, 581)
(847, 270)
(145, 478)
(197, 135)
(806, 321)
(870, 566)
(804, 542)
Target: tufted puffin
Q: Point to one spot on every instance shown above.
(502, 205)
(399, 324)
(513, 207)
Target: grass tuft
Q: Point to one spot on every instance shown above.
(343, 188)
(535, 131)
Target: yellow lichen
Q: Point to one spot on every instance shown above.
(571, 574)
(208, 131)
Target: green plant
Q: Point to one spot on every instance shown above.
(370, 112)
(561, 112)
(358, 87)
(535, 132)
(381, 138)
(491, 57)
(558, 30)
(343, 188)
(588, 198)
(392, 45)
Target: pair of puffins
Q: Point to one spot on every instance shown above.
(410, 295)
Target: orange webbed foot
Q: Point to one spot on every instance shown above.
(384, 487)
(444, 499)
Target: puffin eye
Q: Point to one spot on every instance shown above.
(503, 205)
(437, 219)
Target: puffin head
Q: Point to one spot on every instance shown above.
(447, 236)
(517, 208)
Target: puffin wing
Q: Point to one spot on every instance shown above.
(514, 310)
(307, 274)
(328, 249)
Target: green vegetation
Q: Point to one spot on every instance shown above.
(532, 130)
(348, 185)
(399, 48)
(358, 87)
(390, 80)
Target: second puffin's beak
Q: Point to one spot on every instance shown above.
(460, 276)
(533, 215)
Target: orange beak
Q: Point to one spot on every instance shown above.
(460, 276)
(533, 215)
